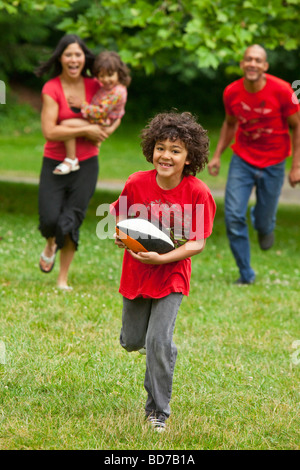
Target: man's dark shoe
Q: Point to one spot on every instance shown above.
(240, 281)
(266, 241)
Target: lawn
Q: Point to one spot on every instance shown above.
(21, 151)
(67, 384)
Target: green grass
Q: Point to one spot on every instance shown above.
(21, 152)
(22, 144)
(67, 383)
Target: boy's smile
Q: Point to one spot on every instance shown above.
(169, 160)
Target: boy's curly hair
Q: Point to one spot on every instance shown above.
(182, 126)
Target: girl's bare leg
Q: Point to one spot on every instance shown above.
(70, 146)
(71, 143)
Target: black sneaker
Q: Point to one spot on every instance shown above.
(266, 241)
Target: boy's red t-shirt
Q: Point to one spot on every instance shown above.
(84, 148)
(262, 137)
(185, 213)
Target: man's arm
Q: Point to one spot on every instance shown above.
(227, 134)
(294, 123)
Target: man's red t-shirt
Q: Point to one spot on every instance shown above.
(185, 213)
(262, 137)
(84, 148)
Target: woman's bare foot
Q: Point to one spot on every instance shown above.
(64, 287)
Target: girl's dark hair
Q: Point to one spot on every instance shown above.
(182, 126)
(111, 62)
(53, 64)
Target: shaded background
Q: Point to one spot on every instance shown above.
(27, 36)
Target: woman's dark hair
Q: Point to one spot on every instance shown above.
(182, 126)
(53, 64)
(111, 62)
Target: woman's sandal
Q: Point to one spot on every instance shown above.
(65, 167)
(48, 260)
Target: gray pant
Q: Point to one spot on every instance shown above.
(150, 323)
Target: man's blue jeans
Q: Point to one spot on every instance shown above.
(242, 177)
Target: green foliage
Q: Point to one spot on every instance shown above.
(201, 35)
(188, 35)
(23, 43)
(176, 43)
(29, 6)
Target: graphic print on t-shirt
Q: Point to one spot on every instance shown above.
(248, 121)
(171, 218)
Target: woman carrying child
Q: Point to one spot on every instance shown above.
(63, 201)
(106, 108)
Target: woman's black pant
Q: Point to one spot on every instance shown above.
(63, 199)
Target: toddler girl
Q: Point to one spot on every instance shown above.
(106, 108)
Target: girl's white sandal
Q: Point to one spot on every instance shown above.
(65, 167)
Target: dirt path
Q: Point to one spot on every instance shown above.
(288, 195)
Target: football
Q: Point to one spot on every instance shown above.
(141, 235)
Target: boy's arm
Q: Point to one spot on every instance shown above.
(187, 250)
(118, 241)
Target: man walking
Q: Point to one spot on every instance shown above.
(260, 110)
